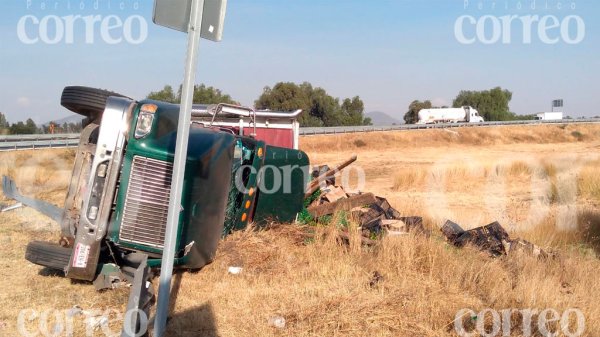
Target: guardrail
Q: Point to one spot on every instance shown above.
(373, 128)
(45, 141)
(41, 141)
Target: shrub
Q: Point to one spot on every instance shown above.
(359, 143)
(577, 135)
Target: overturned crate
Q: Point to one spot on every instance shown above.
(492, 239)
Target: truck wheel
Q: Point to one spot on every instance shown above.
(48, 255)
(86, 101)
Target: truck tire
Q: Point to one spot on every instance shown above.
(86, 101)
(48, 255)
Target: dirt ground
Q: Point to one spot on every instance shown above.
(541, 182)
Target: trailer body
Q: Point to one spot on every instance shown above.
(549, 116)
(465, 114)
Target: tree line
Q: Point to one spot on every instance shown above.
(493, 105)
(29, 127)
(318, 107)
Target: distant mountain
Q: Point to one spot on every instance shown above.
(381, 118)
(70, 119)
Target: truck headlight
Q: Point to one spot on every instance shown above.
(145, 119)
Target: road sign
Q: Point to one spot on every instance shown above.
(557, 103)
(213, 19)
(175, 14)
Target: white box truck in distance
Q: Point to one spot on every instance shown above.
(549, 116)
(466, 114)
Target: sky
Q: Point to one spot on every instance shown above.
(388, 52)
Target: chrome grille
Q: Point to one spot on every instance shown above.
(147, 202)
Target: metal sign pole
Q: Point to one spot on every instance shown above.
(183, 130)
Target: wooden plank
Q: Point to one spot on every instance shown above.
(524, 246)
(335, 194)
(316, 183)
(332, 171)
(342, 205)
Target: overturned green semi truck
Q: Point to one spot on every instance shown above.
(115, 212)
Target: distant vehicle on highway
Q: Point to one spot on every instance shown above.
(549, 116)
(466, 114)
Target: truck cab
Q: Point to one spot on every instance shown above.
(116, 207)
(472, 115)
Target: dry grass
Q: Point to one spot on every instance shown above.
(43, 174)
(589, 181)
(323, 289)
(408, 179)
(531, 134)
